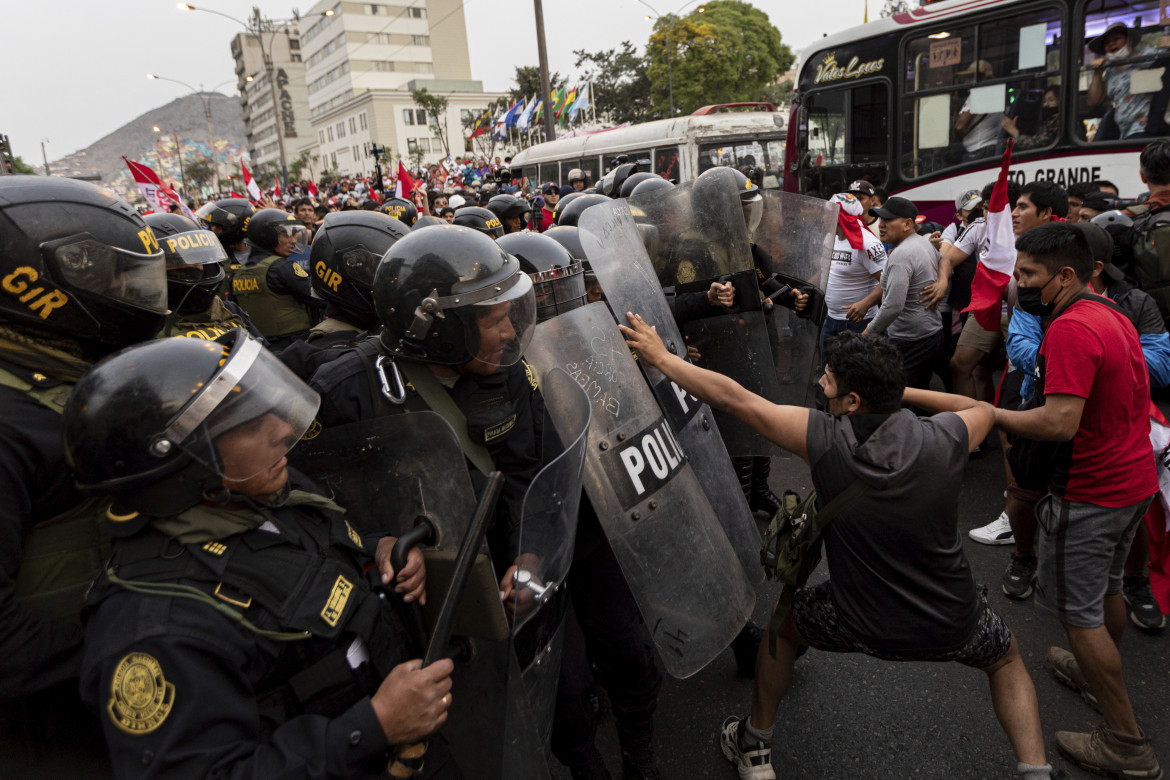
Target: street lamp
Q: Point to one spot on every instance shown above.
(206, 113)
(669, 45)
(178, 154)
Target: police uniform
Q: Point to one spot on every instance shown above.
(322, 344)
(276, 295)
(218, 320)
(216, 650)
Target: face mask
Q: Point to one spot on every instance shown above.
(1030, 300)
(1120, 54)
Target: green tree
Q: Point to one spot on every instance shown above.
(20, 166)
(303, 164)
(726, 54)
(778, 93)
(528, 83)
(200, 173)
(621, 86)
(436, 108)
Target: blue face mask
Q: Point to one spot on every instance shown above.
(1030, 300)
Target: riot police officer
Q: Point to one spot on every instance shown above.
(576, 182)
(401, 209)
(512, 211)
(81, 275)
(195, 258)
(272, 289)
(234, 630)
(479, 218)
(228, 219)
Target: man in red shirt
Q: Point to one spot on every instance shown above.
(1095, 385)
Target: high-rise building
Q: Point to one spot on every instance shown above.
(263, 120)
(361, 64)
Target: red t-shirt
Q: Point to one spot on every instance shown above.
(547, 220)
(1093, 352)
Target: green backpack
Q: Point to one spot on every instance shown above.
(792, 545)
(1151, 259)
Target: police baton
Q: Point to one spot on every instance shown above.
(407, 762)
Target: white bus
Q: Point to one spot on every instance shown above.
(678, 149)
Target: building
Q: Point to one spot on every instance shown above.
(361, 64)
(262, 121)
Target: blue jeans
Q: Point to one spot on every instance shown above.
(832, 327)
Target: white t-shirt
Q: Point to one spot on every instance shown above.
(975, 241)
(983, 130)
(950, 233)
(851, 274)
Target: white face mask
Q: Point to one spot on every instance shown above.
(1120, 54)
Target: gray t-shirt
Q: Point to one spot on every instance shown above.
(912, 265)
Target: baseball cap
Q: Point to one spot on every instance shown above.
(861, 187)
(1099, 201)
(550, 187)
(896, 208)
(968, 200)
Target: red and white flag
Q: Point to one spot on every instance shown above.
(995, 268)
(157, 194)
(312, 189)
(276, 189)
(405, 184)
(250, 184)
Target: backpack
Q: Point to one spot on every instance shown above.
(792, 545)
(1150, 245)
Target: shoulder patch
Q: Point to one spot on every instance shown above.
(140, 697)
(353, 535)
(313, 431)
(686, 272)
(298, 271)
(528, 372)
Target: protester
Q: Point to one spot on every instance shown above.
(853, 290)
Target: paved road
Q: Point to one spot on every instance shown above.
(850, 716)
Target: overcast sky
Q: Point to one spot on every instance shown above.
(74, 70)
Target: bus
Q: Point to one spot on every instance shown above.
(679, 148)
(886, 102)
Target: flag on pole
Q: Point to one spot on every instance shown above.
(276, 189)
(405, 184)
(570, 100)
(526, 116)
(513, 115)
(249, 184)
(996, 266)
(580, 103)
(157, 194)
(312, 189)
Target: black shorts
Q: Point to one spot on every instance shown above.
(816, 618)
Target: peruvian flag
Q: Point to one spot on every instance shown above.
(995, 268)
(158, 195)
(312, 189)
(276, 189)
(405, 184)
(250, 184)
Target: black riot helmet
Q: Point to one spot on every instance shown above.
(427, 220)
(168, 423)
(402, 210)
(611, 183)
(571, 213)
(565, 200)
(345, 256)
(78, 261)
(650, 185)
(228, 218)
(509, 206)
(479, 218)
(194, 261)
(267, 226)
(633, 180)
(749, 194)
(557, 277)
(568, 237)
(449, 295)
(576, 175)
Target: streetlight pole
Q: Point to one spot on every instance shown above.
(45, 157)
(550, 131)
(669, 45)
(206, 114)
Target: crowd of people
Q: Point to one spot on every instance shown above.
(238, 620)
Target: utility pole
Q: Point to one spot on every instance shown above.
(269, 70)
(550, 132)
(45, 157)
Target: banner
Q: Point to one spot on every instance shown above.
(158, 195)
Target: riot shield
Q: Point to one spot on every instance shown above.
(615, 249)
(682, 570)
(798, 232)
(543, 552)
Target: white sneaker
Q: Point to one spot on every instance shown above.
(999, 531)
(754, 763)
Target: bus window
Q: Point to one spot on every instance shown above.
(548, 172)
(847, 138)
(1124, 82)
(592, 171)
(971, 89)
(639, 156)
(666, 162)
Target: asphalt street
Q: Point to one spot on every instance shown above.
(851, 716)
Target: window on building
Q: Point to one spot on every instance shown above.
(466, 115)
(408, 116)
(383, 38)
(294, 44)
(418, 13)
(411, 145)
(355, 152)
(362, 120)
(352, 125)
(383, 65)
(341, 129)
(330, 132)
(333, 159)
(420, 40)
(321, 136)
(377, 10)
(420, 116)
(424, 67)
(295, 57)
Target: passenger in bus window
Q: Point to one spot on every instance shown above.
(1046, 128)
(980, 132)
(1129, 113)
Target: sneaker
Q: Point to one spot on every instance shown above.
(1017, 580)
(1063, 666)
(998, 531)
(1111, 753)
(754, 759)
(639, 766)
(1144, 611)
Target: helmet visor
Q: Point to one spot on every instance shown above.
(195, 247)
(299, 233)
(253, 409)
(136, 279)
(359, 264)
(505, 324)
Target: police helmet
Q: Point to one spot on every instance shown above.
(633, 180)
(169, 423)
(750, 196)
(571, 213)
(345, 255)
(565, 201)
(1114, 221)
(78, 261)
(576, 175)
(228, 218)
(267, 226)
(508, 206)
(479, 218)
(568, 237)
(650, 185)
(402, 210)
(536, 252)
(558, 278)
(426, 220)
(440, 296)
(194, 261)
(611, 184)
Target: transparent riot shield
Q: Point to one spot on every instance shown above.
(544, 550)
(676, 558)
(614, 246)
(797, 232)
